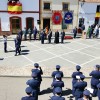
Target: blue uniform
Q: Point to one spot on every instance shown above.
(62, 36)
(79, 88)
(34, 84)
(95, 79)
(57, 72)
(57, 98)
(74, 80)
(28, 98)
(39, 73)
(42, 37)
(57, 83)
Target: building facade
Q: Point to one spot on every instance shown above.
(18, 15)
(89, 12)
(51, 7)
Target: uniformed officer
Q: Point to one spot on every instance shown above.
(57, 96)
(62, 36)
(74, 77)
(39, 72)
(42, 35)
(49, 36)
(57, 82)
(25, 33)
(34, 84)
(30, 33)
(29, 93)
(79, 87)
(86, 95)
(98, 92)
(95, 79)
(5, 43)
(57, 72)
(17, 45)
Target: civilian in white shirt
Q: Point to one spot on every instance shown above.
(5, 43)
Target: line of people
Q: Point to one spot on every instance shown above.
(48, 36)
(79, 86)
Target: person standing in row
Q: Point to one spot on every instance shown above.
(57, 72)
(17, 45)
(75, 32)
(58, 93)
(25, 33)
(95, 80)
(35, 33)
(42, 35)
(30, 33)
(62, 36)
(77, 73)
(28, 91)
(57, 83)
(34, 84)
(5, 43)
(56, 37)
(49, 36)
(79, 87)
(39, 72)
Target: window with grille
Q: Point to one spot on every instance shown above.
(46, 6)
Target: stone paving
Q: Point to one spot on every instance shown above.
(85, 52)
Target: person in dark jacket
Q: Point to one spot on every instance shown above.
(42, 35)
(57, 96)
(86, 95)
(95, 79)
(17, 45)
(79, 87)
(29, 93)
(77, 73)
(56, 37)
(49, 36)
(34, 84)
(98, 92)
(57, 72)
(62, 36)
(75, 32)
(39, 72)
(57, 82)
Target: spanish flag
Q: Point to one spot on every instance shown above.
(14, 8)
(98, 14)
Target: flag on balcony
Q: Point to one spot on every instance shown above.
(14, 8)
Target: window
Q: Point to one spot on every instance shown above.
(29, 23)
(46, 6)
(65, 6)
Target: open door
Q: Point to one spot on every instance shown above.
(15, 23)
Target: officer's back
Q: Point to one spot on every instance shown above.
(29, 94)
(38, 70)
(95, 76)
(57, 72)
(57, 95)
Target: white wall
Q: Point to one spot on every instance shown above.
(5, 21)
(27, 5)
(88, 11)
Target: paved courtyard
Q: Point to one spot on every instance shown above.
(85, 52)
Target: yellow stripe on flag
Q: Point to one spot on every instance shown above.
(98, 14)
(15, 8)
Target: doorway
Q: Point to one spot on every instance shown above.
(46, 23)
(29, 23)
(15, 23)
